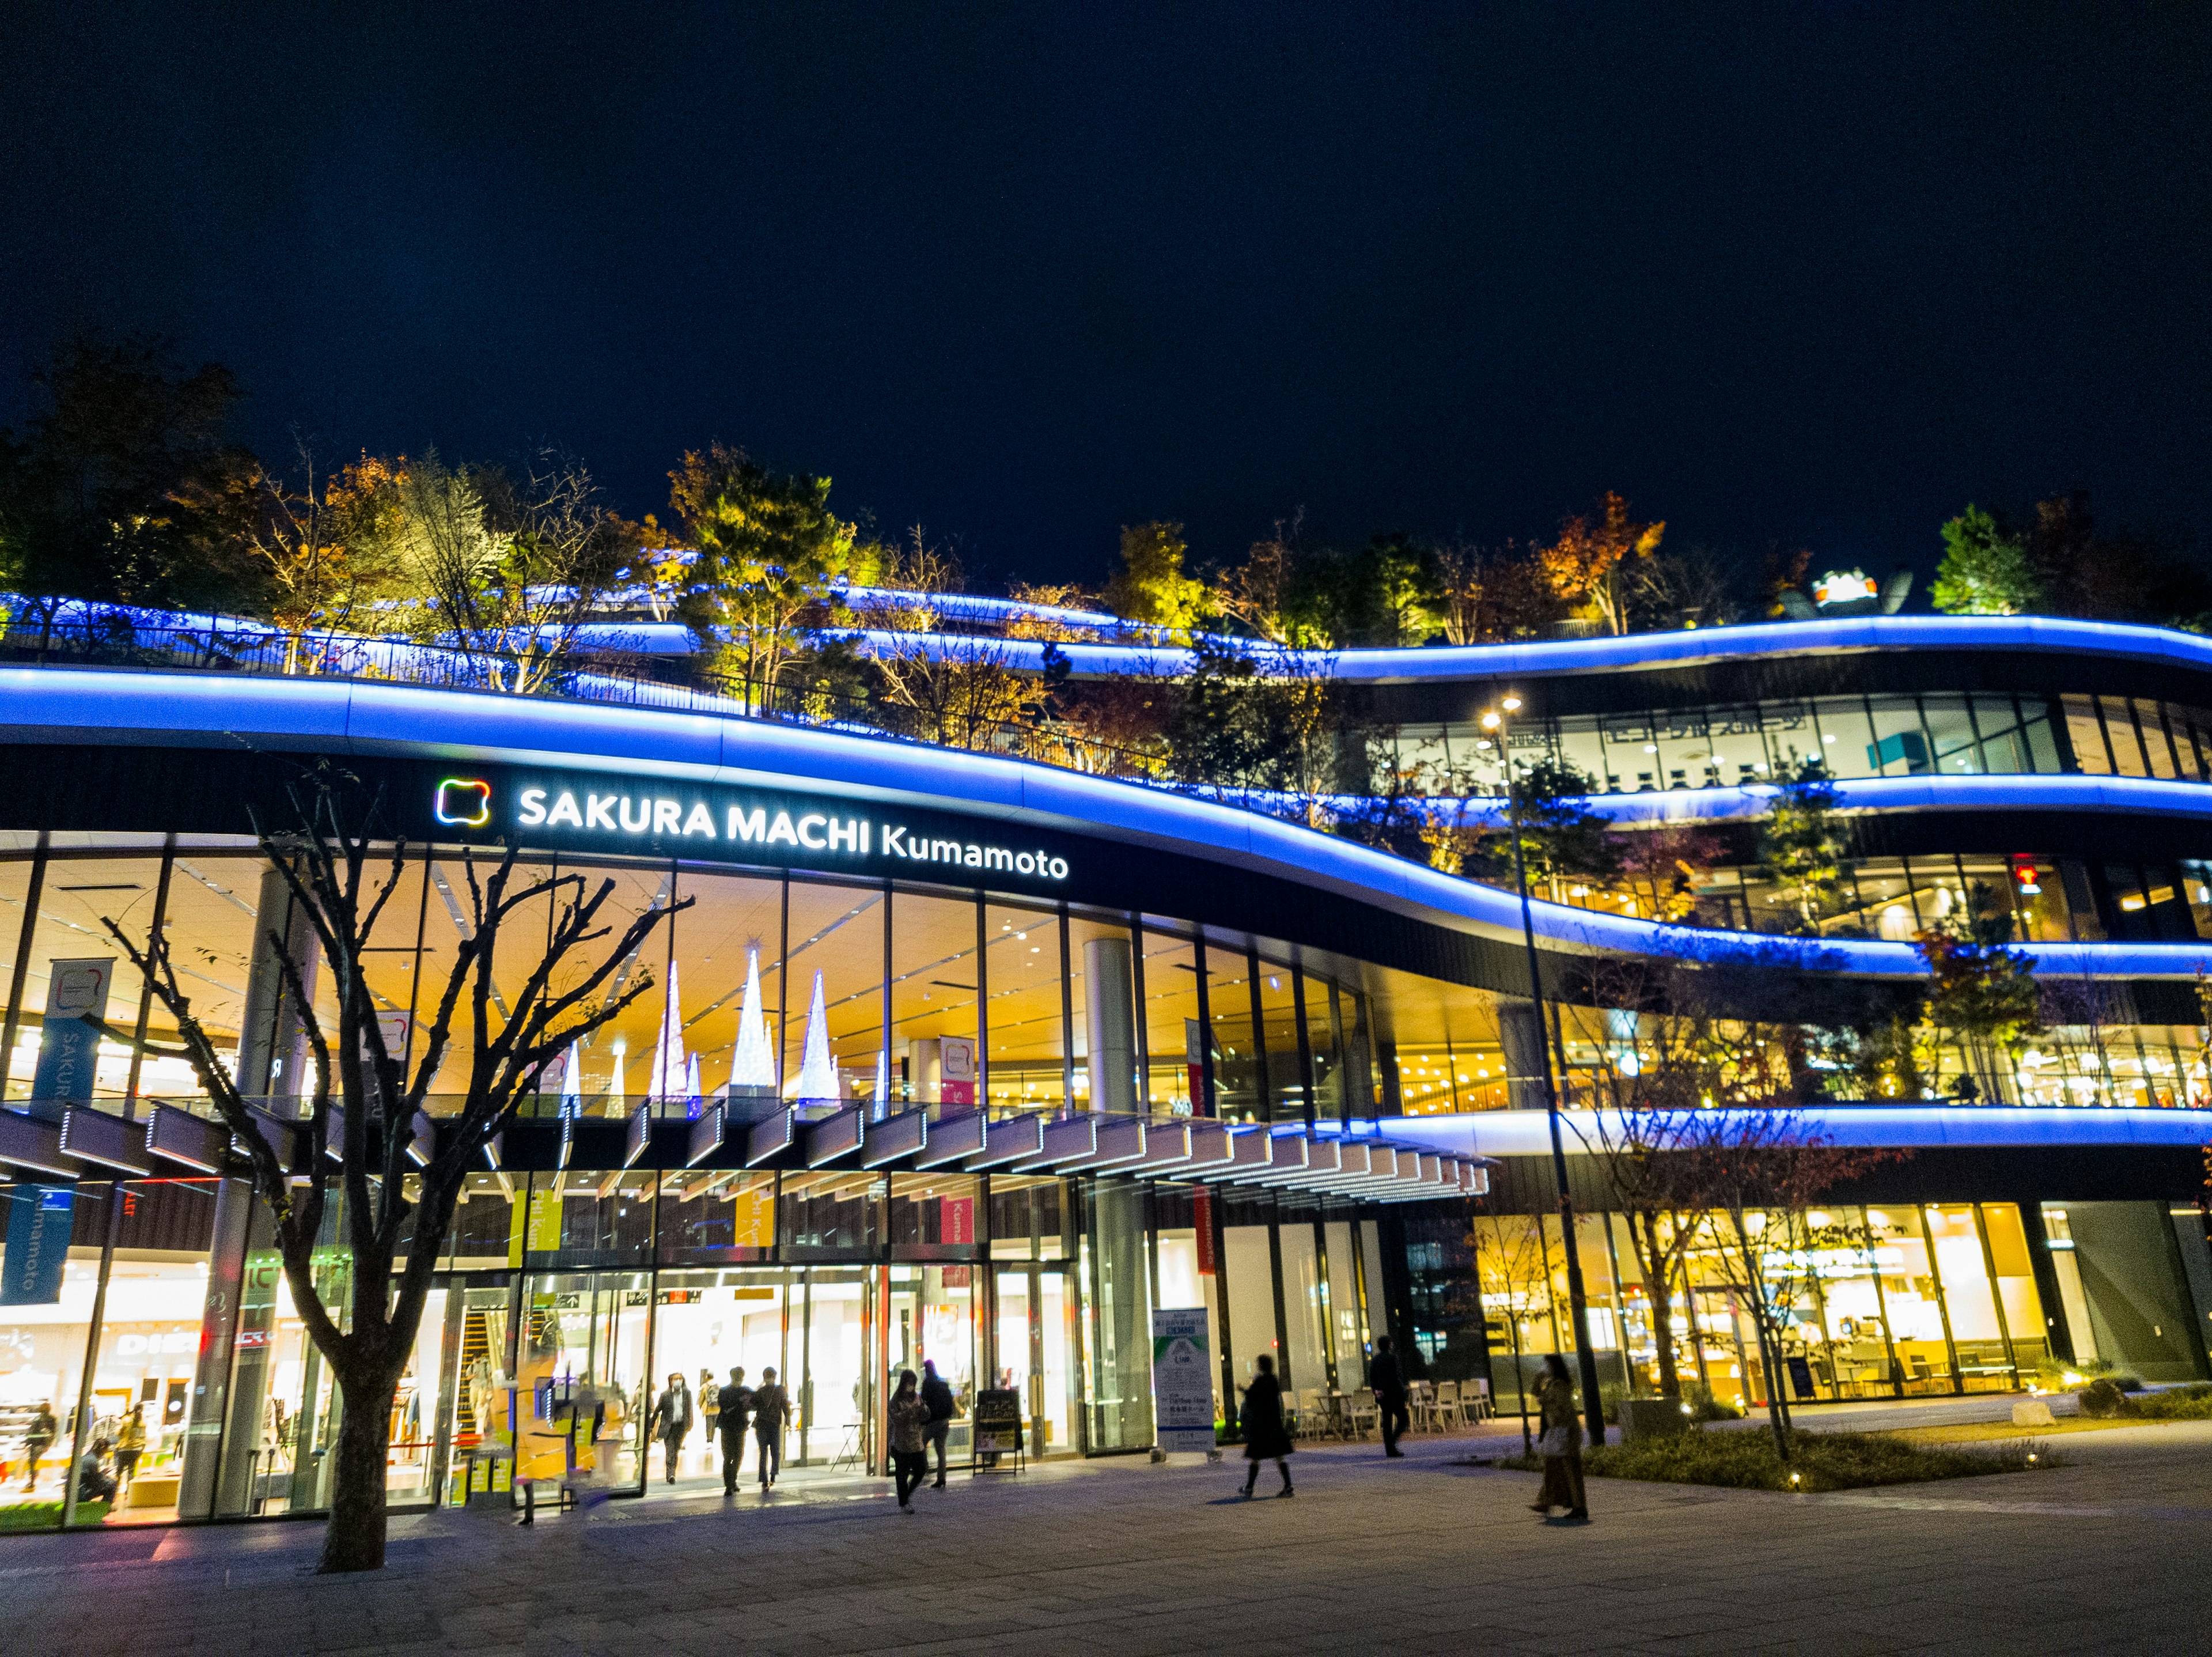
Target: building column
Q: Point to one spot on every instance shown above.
(272, 1046)
(1520, 1034)
(1109, 1021)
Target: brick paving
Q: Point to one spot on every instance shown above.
(2110, 1553)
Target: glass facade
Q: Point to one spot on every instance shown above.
(158, 1302)
(1739, 744)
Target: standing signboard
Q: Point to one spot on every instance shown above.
(1182, 1380)
(998, 1424)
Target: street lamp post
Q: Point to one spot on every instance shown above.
(1494, 720)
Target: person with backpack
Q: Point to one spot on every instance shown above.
(936, 1398)
(1266, 1438)
(733, 1404)
(771, 1409)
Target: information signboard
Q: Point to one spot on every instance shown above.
(998, 1421)
(1182, 1380)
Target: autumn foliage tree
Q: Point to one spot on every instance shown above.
(1585, 563)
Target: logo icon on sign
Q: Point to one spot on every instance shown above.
(464, 802)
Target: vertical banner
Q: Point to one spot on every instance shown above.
(40, 1218)
(1201, 1213)
(956, 1220)
(537, 1228)
(958, 1056)
(754, 1222)
(1182, 1380)
(69, 1047)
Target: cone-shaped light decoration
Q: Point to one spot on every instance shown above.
(883, 1084)
(666, 1080)
(691, 1083)
(572, 1082)
(817, 1076)
(752, 1065)
(618, 1087)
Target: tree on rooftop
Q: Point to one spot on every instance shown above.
(122, 489)
(366, 1114)
(1151, 587)
(1584, 564)
(326, 547)
(1563, 841)
(771, 556)
(1982, 991)
(1986, 571)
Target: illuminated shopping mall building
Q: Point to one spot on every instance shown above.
(965, 1056)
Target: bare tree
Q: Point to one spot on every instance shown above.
(367, 1114)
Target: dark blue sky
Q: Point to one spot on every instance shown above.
(1816, 273)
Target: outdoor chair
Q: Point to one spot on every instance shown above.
(1448, 1411)
(1420, 1405)
(1363, 1413)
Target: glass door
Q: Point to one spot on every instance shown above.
(580, 1393)
(1037, 1352)
(833, 1400)
(931, 1318)
(479, 1438)
(707, 1323)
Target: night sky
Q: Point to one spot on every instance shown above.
(1812, 273)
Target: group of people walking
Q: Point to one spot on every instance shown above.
(1267, 1436)
(730, 1410)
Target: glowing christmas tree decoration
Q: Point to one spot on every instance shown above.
(666, 1081)
(691, 1080)
(883, 1083)
(572, 1082)
(817, 1074)
(618, 1088)
(752, 1065)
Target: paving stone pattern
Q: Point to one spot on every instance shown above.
(2113, 1553)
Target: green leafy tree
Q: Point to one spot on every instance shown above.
(1803, 841)
(1563, 841)
(1982, 991)
(1985, 570)
(1151, 587)
(770, 558)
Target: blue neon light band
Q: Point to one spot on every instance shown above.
(53, 704)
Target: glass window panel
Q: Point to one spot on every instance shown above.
(1844, 739)
(2004, 744)
(1580, 748)
(2085, 735)
(2120, 730)
(716, 1215)
(933, 1211)
(1738, 756)
(1279, 1032)
(831, 1210)
(733, 938)
(1094, 946)
(1326, 1039)
(833, 1029)
(2042, 740)
(1251, 1289)
(1171, 1031)
(933, 996)
(1899, 745)
(1238, 1073)
(1304, 1297)
(156, 1325)
(2039, 897)
(1028, 1066)
(1957, 754)
(2156, 745)
(78, 893)
(482, 1236)
(1983, 1364)
(2015, 1279)
(1910, 1298)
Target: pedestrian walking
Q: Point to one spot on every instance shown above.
(36, 1438)
(771, 1409)
(710, 1405)
(909, 1418)
(1266, 1439)
(671, 1421)
(1390, 1383)
(130, 1445)
(937, 1397)
(733, 1406)
(1561, 1445)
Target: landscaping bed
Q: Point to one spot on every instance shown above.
(1746, 1460)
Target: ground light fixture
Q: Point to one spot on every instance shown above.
(1578, 1296)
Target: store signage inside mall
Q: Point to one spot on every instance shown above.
(727, 825)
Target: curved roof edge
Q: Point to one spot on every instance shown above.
(1896, 1127)
(57, 705)
(1541, 658)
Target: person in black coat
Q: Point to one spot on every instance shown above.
(1266, 1439)
(1390, 1398)
(733, 1406)
(936, 1398)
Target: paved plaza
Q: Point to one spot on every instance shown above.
(2110, 1553)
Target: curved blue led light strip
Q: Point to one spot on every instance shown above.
(52, 704)
(2155, 645)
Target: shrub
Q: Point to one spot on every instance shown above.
(1704, 1406)
(1822, 1461)
(47, 1515)
(2190, 1403)
(2102, 1399)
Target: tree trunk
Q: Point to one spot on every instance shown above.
(1660, 1295)
(354, 1538)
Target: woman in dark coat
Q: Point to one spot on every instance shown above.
(1265, 1436)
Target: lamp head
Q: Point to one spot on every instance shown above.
(1490, 721)
(1511, 704)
